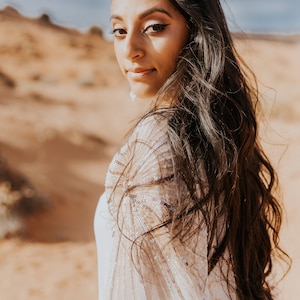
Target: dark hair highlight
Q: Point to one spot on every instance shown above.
(213, 120)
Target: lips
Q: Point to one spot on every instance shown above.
(139, 73)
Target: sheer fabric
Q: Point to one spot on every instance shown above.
(141, 193)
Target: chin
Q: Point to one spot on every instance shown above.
(144, 94)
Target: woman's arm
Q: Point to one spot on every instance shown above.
(167, 268)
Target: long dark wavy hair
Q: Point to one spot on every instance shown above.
(212, 119)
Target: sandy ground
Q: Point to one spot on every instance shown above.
(64, 110)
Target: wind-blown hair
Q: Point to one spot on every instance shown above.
(212, 119)
(212, 125)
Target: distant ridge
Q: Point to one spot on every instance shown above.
(284, 38)
(9, 13)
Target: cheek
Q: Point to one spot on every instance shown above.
(118, 55)
(169, 59)
(169, 55)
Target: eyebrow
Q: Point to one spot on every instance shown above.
(145, 13)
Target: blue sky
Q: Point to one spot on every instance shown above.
(281, 16)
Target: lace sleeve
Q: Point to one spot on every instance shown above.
(141, 201)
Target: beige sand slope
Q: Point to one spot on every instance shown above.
(64, 109)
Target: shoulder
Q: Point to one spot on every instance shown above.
(149, 148)
(146, 155)
(150, 139)
(151, 131)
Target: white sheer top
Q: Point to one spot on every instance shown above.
(154, 267)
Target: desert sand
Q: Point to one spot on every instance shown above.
(64, 111)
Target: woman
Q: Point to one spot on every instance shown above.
(188, 211)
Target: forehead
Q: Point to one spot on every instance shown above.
(138, 7)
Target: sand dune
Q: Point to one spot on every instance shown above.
(64, 110)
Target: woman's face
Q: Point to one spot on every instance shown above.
(149, 35)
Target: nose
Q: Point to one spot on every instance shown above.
(134, 46)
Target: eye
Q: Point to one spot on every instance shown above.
(119, 32)
(155, 28)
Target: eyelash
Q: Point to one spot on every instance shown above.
(116, 32)
(159, 28)
(156, 28)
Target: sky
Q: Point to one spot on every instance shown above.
(264, 16)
